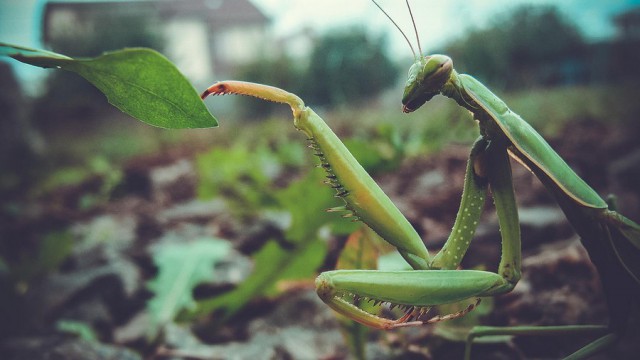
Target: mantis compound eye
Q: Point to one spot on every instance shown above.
(426, 78)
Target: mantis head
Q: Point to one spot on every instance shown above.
(427, 75)
(426, 78)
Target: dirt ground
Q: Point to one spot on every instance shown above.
(104, 285)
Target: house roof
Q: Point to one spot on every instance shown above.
(216, 12)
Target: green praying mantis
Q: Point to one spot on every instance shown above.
(612, 241)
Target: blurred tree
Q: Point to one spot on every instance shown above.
(282, 72)
(623, 59)
(623, 54)
(347, 67)
(530, 46)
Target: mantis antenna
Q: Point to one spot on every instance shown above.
(415, 29)
(398, 27)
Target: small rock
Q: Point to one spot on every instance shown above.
(62, 348)
(193, 211)
(175, 182)
(301, 327)
(541, 216)
(104, 237)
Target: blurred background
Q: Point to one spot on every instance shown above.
(83, 186)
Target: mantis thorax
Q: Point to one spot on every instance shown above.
(454, 89)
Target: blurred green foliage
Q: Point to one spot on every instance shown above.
(295, 257)
(240, 175)
(51, 250)
(109, 176)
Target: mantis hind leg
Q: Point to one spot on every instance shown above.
(605, 337)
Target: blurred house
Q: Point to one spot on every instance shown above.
(204, 38)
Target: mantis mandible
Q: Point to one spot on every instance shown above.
(611, 240)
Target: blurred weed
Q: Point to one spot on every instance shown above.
(240, 175)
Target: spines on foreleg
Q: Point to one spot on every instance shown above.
(333, 182)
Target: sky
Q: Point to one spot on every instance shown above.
(437, 21)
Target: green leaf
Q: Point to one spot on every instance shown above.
(140, 82)
(78, 328)
(272, 264)
(180, 268)
(299, 265)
